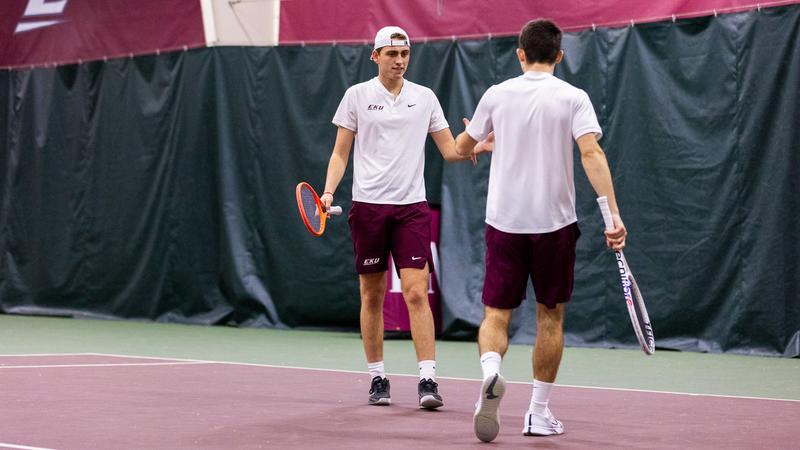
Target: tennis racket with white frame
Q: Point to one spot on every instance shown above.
(633, 296)
(311, 209)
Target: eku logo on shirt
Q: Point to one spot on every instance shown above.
(374, 107)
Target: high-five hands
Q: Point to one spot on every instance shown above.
(487, 145)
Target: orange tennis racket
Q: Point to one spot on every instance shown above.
(311, 209)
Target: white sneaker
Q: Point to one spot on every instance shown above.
(538, 425)
(486, 420)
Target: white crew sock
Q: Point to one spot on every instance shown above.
(427, 369)
(540, 397)
(490, 364)
(376, 370)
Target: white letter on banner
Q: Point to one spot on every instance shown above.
(396, 287)
(435, 255)
(43, 8)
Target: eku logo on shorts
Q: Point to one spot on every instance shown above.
(371, 261)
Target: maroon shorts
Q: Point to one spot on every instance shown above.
(549, 259)
(404, 230)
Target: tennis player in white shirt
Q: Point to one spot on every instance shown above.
(388, 119)
(530, 211)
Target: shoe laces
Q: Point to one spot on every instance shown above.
(428, 385)
(378, 385)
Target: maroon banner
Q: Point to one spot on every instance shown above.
(48, 32)
(395, 312)
(353, 21)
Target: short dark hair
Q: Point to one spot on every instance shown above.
(540, 39)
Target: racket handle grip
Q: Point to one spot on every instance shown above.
(335, 210)
(606, 211)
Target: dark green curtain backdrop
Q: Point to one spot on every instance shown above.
(162, 187)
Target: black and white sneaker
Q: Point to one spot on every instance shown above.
(379, 392)
(429, 397)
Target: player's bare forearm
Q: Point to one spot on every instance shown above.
(465, 144)
(447, 146)
(596, 167)
(337, 164)
(453, 156)
(336, 168)
(599, 175)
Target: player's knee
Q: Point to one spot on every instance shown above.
(550, 325)
(416, 298)
(372, 300)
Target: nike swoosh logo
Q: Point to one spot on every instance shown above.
(490, 390)
(412, 105)
(414, 258)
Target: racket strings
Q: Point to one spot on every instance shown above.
(310, 209)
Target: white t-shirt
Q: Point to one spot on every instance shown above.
(389, 158)
(535, 118)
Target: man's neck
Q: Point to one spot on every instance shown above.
(393, 86)
(539, 67)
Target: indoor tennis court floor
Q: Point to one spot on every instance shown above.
(90, 384)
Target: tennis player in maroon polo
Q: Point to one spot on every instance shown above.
(388, 118)
(530, 211)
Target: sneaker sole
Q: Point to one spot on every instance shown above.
(430, 402)
(534, 431)
(486, 420)
(381, 401)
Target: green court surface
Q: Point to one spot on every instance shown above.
(693, 373)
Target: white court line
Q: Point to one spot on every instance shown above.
(679, 393)
(49, 354)
(200, 361)
(23, 447)
(176, 363)
(458, 379)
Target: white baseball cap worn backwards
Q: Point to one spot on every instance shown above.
(384, 38)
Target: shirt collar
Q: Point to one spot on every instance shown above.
(536, 75)
(381, 88)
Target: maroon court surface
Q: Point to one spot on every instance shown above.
(93, 402)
